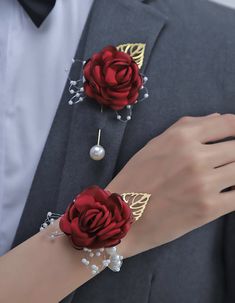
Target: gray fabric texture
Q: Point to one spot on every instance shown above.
(190, 62)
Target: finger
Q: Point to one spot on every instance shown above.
(226, 203)
(204, 117)
(190, 119)
(224, 176)
(220, 153)
(215, 128)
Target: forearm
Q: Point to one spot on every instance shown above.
(40, 270)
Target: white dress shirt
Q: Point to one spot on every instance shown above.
(32, 78)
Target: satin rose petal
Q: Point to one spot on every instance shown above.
(111, 243)
(97, 193)
(87, 69)
(84, 202)
(95, 223)
(110, 77)
(78, 237)
(97, 75)
(106, 229)
(88, 216)
(89, 90)
(65, 225)
(123, 56)
(112, 233)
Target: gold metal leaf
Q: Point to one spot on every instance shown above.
(135, 50)
(137, 203)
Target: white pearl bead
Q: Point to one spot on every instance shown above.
(70, 102)
(128, 118)
(73, 82)
(94, 267)
(114, 268)
(117, 269)
(84, 260)
(106, 262)
(91, 255)
(94, 272)
(72, 91)
(146, 96)
(82, 89)
(111, 250)
(44, 225)
(98, 254)
(97, 152)
(49, 214)
(119, 117)
(119, 263)
(145, 79)
(114, 258)
(128, 106)
(52, 237)
(41, 228)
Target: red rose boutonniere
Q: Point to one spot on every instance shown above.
(112, 78)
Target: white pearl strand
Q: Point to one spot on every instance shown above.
(110, 256)
(143, 96)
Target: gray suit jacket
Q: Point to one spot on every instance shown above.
(190, 62)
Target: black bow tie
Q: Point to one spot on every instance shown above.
(38, 10)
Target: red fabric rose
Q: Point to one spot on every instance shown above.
(96, 218)
(112, 78)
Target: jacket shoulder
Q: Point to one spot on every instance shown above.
(199, 14)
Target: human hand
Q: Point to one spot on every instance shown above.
(186, 177)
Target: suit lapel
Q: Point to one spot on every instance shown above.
(65, 167)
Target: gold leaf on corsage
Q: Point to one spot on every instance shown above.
(135, 50)
(137, 203)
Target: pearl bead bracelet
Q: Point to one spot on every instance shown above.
(107, 257)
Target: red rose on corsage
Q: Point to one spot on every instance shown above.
(96, 219)
(112, 78)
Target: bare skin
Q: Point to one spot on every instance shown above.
(185, 177)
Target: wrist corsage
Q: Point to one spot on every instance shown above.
(96, 222)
